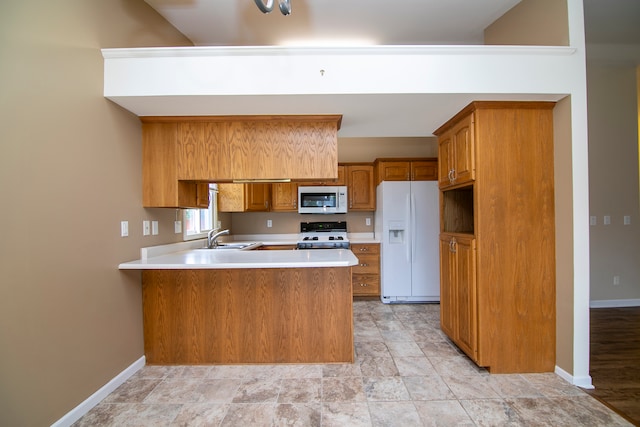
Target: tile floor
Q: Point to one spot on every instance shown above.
(406, 373)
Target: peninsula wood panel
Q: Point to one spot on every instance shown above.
(248, 316)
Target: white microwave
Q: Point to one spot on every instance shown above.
(322, 200)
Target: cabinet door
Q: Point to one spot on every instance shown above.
(458, 300)
(445, 159)
(362, 195)
(257, 197)
(394, 171)
(464, 150)
(284, 197)
(466, 300)
(424, 170)
(231, 197)
(448, 308)
(202, 194)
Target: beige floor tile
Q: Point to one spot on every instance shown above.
(340, 414)
(394, 414)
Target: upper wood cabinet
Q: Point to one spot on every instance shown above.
(393, 169)
(456, 152)
(284, 197)
(180, 151)
(361, 189)
(244, 197)
(335, 181)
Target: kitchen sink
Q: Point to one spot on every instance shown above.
(237, 246)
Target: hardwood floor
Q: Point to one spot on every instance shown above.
(615, 359)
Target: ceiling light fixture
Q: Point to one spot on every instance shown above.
(266, 6)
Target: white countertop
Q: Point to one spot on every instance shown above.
(219, 259)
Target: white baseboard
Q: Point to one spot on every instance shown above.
(76, 413)
(582, 382)
(611, 303)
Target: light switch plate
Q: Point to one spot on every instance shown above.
(177, 227)
(607, 220)
(154, 228)
(124, 228)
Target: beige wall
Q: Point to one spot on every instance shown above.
(369, 149)
(531, 22)
(564, 234)
(613, 179)
(69, 173)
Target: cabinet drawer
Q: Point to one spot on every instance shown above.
(365, 248)
(366, 284)
(367, 264)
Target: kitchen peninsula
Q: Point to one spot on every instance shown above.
(203, 306)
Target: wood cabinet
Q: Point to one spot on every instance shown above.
(179, 152)
(359, 179)
(254, 197)
(406, 169)
(456, 153)
(284, 197)
(366, 275)
(458, 305)
(497, 243)
(160, 184)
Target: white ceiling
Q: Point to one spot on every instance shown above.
(380, 22)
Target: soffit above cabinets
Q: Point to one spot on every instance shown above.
(383, 91)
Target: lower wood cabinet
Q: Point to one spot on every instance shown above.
(458, 296)
(366, 275)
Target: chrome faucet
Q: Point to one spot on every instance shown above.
(212, 237)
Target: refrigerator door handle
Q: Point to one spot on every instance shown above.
(412, 231)
(409, 230)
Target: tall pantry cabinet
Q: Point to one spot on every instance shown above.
(497, 234)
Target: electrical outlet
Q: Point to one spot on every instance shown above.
(627, 220)
(607, 220)
(146, 228)
(124, 228)
(616, 280)
(593, 220)
(367, 221)
(269, 223)
(154, 228)
(177, 227)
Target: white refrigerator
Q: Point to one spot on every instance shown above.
(407, 224)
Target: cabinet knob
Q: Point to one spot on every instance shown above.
(364, 265)
(453, 245)
(363, 284)
(364, 249)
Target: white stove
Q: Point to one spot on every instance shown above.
(323, 235)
